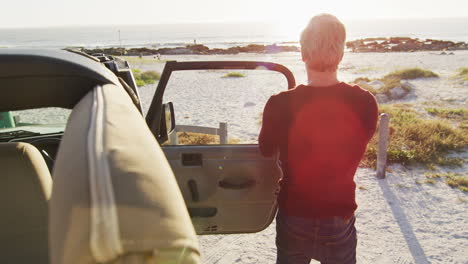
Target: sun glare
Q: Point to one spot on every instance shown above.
(292, 28)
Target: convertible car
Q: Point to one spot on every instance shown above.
(88, 176)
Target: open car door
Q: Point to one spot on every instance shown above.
(207, 116)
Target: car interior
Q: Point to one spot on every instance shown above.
(100, 202)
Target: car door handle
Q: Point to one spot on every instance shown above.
(193, 190)
(236, 186)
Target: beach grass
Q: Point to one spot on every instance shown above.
(144, 78)
(394, 79)
(415, 140)
(430, 181)
(391, 82)
(458, 181)
(454, 180)
(234, 75)
(453, 114)
(411, 74)
(462, 73)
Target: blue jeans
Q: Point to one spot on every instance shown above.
(328, 240)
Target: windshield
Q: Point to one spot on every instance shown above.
(24, 123)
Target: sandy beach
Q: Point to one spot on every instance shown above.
(399, 220)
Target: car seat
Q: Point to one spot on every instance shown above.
(26, 187)
(115, 198)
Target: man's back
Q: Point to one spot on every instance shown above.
(321, 134)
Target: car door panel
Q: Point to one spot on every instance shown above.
(227, 188)
(233, 180)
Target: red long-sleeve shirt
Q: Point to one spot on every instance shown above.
(321, 134)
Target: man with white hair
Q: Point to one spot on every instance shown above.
(321, 131)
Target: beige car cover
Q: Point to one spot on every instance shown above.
(115, 198)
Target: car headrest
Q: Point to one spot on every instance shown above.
(114, 192)
(26, 187)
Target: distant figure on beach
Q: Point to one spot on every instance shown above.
(320, 131)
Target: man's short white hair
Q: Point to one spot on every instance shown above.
(322, 43)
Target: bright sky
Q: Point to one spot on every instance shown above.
(39, 13)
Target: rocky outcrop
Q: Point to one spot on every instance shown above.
(403, 44)
(394, 44)
(193, 49)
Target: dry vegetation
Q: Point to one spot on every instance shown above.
(454, 180)
(462, 73)
(415, 140)
(460, 114)
(188, 138)
(234, 75)
(394, 79)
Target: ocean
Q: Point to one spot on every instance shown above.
(221, 35)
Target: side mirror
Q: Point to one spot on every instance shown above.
(167, 122)
(169, 117)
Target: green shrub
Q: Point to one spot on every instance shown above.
(411, 73)
(150, 76)
(140, 83)
(144, 78)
